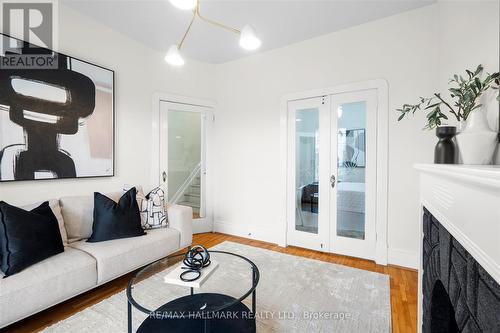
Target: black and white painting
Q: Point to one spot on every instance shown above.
(352, 147)
(56, 122)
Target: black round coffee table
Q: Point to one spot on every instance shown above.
(216, 306)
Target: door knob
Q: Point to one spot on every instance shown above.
(164, 176)
(332, 181)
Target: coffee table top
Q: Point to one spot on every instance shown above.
(235, 276)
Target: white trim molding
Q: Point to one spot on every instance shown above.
(261, 234)
(403, 258)
(381, 252)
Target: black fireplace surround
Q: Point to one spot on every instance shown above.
(458, 294)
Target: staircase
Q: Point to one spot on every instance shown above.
(192, 195)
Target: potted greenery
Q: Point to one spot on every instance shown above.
(476, 140)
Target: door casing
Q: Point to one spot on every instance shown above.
(381, 88)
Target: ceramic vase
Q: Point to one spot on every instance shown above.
(446, 150)
(477, 142)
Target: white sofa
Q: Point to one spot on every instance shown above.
(83, 266)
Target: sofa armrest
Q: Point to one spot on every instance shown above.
(181, 219)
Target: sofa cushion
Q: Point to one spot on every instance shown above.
(46, 283)
(119, 256)
(56, 209)
(78, 212)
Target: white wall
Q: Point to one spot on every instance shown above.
(400, 49)
(139, 72)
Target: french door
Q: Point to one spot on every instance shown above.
(332, 173)
(183, 159)
(307, 176)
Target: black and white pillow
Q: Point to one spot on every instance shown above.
(151, 207)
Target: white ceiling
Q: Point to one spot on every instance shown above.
(278, 23)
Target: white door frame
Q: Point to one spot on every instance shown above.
(155, 171)
(382, 156)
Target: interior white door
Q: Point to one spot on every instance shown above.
(184, 172)
(353, 178)
(308, 172)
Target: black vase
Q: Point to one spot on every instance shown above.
(446, 149)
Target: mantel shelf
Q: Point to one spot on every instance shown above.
(483, 175)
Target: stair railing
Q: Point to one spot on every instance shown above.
(185, 185)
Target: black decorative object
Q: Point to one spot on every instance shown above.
(114, 220)
(458, 294)
(56, 122)
(446, 149)
(27, 237)
(194, 260)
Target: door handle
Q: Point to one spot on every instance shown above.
(164, 176)
(332, 181)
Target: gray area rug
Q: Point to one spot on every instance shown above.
(294, 294)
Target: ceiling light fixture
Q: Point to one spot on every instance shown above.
(174, 57)
(248, 38)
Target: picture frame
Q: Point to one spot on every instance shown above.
(56, 122)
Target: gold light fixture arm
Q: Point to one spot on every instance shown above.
(188, 28)
(196, 12)
(218, 24)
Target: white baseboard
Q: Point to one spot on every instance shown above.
(252, 232)
(403, 258)
(201, 227)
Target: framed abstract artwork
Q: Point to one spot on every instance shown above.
(352, 148)
(56, 121)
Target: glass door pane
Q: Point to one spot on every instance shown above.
(351, 163)
(184, 159)
(307, 170)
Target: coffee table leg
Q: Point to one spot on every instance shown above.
(129, 317)
(192, 291)
(254, 294)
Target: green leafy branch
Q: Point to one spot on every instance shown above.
(465, 93)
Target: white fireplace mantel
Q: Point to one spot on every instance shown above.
(466, 201)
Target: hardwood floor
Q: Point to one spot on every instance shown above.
(403, 287)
